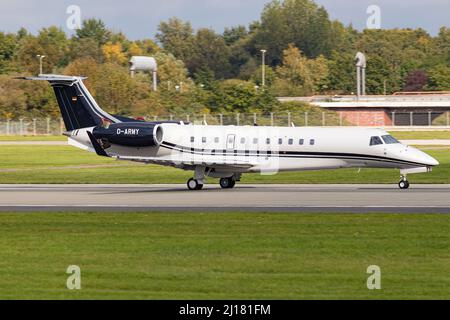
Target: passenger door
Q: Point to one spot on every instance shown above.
(231, 142)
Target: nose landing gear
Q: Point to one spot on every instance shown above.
(404, 183)
(198, 181)
(194, 185)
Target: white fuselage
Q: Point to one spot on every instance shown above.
(231, 149)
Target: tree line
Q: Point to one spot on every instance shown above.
(202, 71)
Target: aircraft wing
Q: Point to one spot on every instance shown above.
(173, 162)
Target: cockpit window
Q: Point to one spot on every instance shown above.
(375, 141)
(390, 140)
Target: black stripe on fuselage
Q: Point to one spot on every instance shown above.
(288, 154)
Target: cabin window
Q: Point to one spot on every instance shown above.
(255, 141)
(267, 141)
(312, 142)
(302, 142)
(204, 139)
(375, 141)
(291, 142)
(242, 140)
(390, 140)
(216, 140)
(280, 141)
(192, 139)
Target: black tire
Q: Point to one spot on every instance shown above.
(199, 187)
(193, 185)
(227, 183)
(404, 185)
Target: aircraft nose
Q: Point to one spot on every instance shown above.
(423, 158)
(432, 161)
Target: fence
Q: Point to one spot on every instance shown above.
(49, 126)
(32, 127)
(320, 119)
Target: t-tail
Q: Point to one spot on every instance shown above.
(91, 128)
(78, 108)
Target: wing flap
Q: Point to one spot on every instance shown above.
(212, 162)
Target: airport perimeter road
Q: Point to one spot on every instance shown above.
(253, 198)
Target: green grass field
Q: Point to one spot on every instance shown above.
(224, 255)
(32, 138)
(422, 135)
(64, 164)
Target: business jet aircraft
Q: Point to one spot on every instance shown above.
(227, 152)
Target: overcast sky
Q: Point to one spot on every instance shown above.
(140, 18)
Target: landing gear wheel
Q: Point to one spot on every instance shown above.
(227, 183)
(404, 184)
(194, 185)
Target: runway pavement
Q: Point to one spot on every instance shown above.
(248, 198)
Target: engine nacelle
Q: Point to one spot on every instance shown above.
(130, 134)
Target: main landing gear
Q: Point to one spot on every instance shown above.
(404, 183)
(225, 183)
(199, 179)
(228, 183)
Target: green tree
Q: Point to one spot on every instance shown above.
(51, 42)
(94, 29)
(13, 100)
(439, 77)
(236, 96)
(205, 78)
(243, 57)
(299, 75)
(26, 99)
(177, 37)
(392, 55)
(301, 22)
(85, 48)
(87, 67)
(443, 44)
(211, 52)
(55, 44)
(148, 46)
(8, 47)
(342, 76)
(171, 72)
(114, 92)
(234, 34)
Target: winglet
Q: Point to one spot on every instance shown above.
(97, 147)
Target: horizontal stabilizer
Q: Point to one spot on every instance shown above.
(52, 78)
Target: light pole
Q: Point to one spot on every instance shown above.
(361, 65)
(263, 67)
(40, 57)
